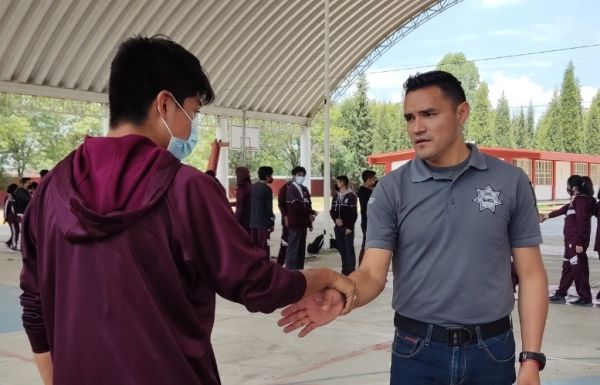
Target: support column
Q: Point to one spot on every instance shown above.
(305, 154)
(223, 165)
(326, 91)
(105, 118)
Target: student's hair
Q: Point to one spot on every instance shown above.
(211, 173)
(43, 172)
(344, 179)
(264, 172)
(298, 169)
(11, 188)
(579, 182)
(32, 186)
(25, 180)
(144, 66)
(589, 185)
(367, 174)
(450, 86)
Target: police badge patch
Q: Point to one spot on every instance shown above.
(488, 199)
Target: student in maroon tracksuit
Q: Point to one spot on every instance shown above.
(243, 197)
(344, 214)
(284, 223)
(576, 231)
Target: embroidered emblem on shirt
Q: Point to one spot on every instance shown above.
(487, 199)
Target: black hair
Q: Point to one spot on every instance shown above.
(32, 186)
(264, 172)
(25, 180)
(450, 85)
(344, 179)
(11, 188)
(588, 184)
(368, 174)
(579, 182)
(43, 172)
(298, 169)
(144, 66)
(210, 172)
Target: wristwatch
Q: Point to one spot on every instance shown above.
(540, 358)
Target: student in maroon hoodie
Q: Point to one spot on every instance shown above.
(243, 197)
(344, 213)
(125, 247)
(281, 203)
(577, 229)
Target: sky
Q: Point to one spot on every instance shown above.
(491, 28)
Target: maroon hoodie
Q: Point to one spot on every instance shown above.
(124, 249)
(578, 220)
(243, 197)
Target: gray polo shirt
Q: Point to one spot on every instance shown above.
(451, 239)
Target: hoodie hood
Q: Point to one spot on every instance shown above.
(109, 183)
(243, 175)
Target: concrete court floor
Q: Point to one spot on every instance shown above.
(353, 350)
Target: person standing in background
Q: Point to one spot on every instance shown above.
(243, 197)
(344, 214)
(262, 218)
(369, 178)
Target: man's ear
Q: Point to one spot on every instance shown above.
(161, 101)
(463, 110)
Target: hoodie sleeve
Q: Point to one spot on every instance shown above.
(352, 210)
(33, 317)
(583, 210)
(224, 252)
(559, 212)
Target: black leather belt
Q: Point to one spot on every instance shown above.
(454, 336)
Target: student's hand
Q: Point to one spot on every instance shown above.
(348, 231)
(339, 222)
(579, 249)
(542, 217)
(529, 374)
(312, 312)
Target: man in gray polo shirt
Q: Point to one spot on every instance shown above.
(449, 221)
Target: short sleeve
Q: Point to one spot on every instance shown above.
(382, 231)
(524, 227)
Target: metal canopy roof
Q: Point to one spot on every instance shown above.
(262, 56)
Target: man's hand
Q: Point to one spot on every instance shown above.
(348, 231)
(339, 222)
(529, 374)
(312, 312)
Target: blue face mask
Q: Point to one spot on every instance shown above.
(180, 148)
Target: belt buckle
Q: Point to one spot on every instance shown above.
(459, 336)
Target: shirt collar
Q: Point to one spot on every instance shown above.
(419, 172)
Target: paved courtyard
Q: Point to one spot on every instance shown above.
(354, 350)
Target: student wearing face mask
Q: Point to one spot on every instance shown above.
(125, 247)
(577, 229)
(300, 217)
(369, 178)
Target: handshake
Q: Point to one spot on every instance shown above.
(317, 309)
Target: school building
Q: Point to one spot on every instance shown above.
(548, 171)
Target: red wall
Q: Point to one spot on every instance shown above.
(316, 186)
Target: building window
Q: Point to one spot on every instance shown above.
(595, 174)
(543, 172)
(580, 168)
(524, 164)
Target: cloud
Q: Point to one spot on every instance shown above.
(587, 94)
(498, 3)
(518, 90)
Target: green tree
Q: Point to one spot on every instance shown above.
(479, 127)
(530, 126)
(503, 132)
(592, 127)
(18, 141)
(356, 119)
(389, 128)
(464, 70)
(519, 125)
(569, 126)
(545, 138)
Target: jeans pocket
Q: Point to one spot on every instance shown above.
(406, 345)
(500, 348)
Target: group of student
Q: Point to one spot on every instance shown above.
(15, 202)
(577, 233)
(254, 212)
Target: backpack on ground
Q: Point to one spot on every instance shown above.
(315, 246)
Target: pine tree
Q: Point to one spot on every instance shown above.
(569, 122)
(464, 70)
(519, 125)
(479, 126)
(503, 133)
(592, 127)
(530, 126)
(545, 135)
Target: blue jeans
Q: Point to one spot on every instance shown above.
(421, 361)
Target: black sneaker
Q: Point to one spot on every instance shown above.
(598, 295)
(582, 302)
(557, 299)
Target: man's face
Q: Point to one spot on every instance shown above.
(434, 125)
(371, 182)
(270, 179)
